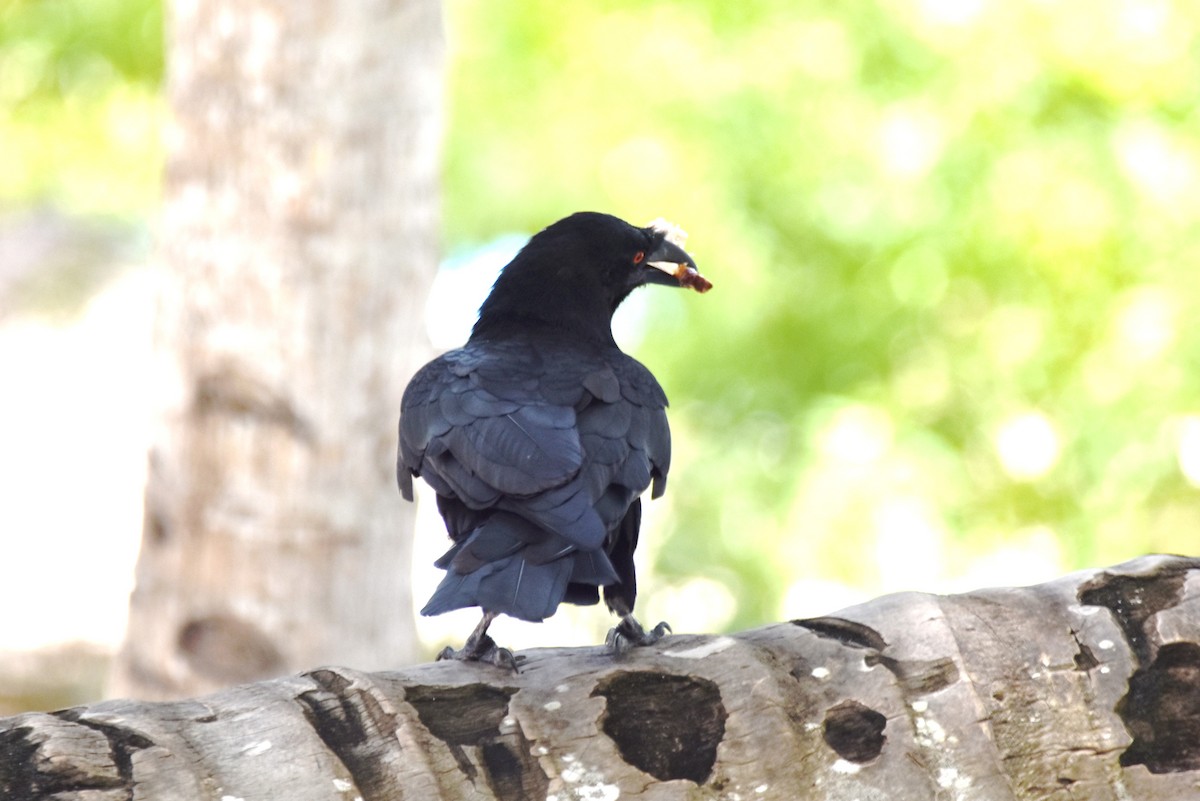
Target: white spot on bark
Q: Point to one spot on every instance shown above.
(846, 766)
(562, 688)
(254, 749)
(232, 798)
(929, 732)
(704, 649)
(589, 784)
(552, 706)
(341, 785)
(1086, 611)
(919, 706)
(762, 788)
(1105, 644)
(820, 672)
(949, 777)
(1104, 668)
(539, 750)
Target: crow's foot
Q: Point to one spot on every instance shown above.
(484, 649)
(629, 633)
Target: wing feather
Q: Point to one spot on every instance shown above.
(538, 453)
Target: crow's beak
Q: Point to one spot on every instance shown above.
(670, 264)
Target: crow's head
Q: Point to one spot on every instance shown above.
(574, 274)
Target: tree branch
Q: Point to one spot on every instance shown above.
(1087, 687)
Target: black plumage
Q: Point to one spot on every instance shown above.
(540, 434)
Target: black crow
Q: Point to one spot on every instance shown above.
(539, 434)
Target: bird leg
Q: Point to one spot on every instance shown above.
(629, 632)
(482, 648)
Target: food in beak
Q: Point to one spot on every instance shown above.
(685, 274)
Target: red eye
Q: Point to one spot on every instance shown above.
(637, 257)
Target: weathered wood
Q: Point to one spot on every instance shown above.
(1087, 687)
(299, 238)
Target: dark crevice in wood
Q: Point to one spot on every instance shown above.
(1134, 600)
(122, 742)
(471, 721)
(19, 776)
(847, 632)
(1162, 711)
(513, 773)
(665, 725)
(469, 714)
(855, 731)
(1085, 657)
(359, 731)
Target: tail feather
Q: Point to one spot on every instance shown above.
(592, 567)
(456, 591)
(512, 566)
(525, 590)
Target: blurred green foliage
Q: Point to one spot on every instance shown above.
(80, 108)
(954, 247)
(953, 243)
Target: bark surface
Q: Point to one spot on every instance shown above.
(1087, 687)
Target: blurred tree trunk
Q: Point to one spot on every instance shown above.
(1086, 688)
(299, 238)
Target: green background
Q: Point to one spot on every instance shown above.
(954, 246)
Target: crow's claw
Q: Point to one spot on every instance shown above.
(629, 634)
(484, 649)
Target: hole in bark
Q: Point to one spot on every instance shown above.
(507, 775)
(465, 715)
(469, 717)
(667, 726)
(855, 731)
(1162, 711)
(228, 649)
(1134, 600)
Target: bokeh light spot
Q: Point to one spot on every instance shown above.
(1028, 445)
